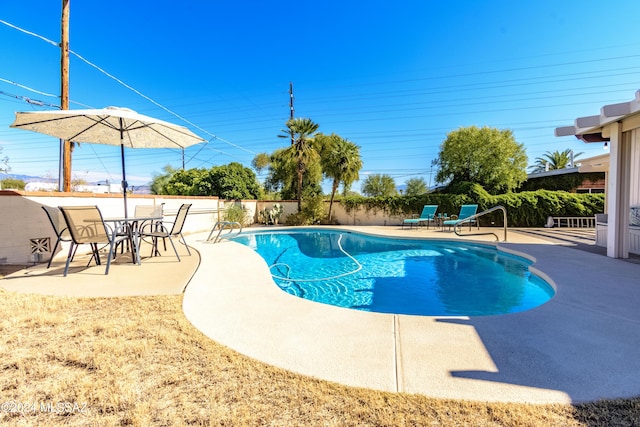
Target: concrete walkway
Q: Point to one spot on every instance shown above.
(580, 346)
(160, 275)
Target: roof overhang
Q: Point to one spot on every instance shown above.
(594, 128)
(598, 163)
(594, 164)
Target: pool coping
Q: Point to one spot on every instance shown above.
(580, 346)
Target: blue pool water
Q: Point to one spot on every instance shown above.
(402, 276)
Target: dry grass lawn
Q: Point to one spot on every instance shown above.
(138, 361)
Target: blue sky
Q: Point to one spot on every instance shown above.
(392, 78)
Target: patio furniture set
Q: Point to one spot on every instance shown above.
(440, 220)
(80, 225)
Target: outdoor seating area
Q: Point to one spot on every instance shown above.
(85, 225)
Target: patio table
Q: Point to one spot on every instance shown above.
(131, 226)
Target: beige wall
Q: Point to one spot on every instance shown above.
(22, 218)
(363, 217)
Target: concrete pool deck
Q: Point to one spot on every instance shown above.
(582, 345)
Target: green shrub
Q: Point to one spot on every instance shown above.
(312, 212)
(236, 213)
(12, 184)
(524, 209)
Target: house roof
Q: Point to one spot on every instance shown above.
(598, 163)
(591, 128)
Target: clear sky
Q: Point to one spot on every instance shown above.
(392, 77)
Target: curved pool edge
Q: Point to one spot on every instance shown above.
(238, 305)
(519, 291)
(532, 268)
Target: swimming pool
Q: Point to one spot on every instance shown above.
(401, 276)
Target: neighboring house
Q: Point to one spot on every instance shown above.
(617, 125)
(592, 170)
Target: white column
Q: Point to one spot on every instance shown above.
(618, 194)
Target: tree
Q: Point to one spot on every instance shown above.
(486, 156)
(234, 182)
(416, 187)
(554, 160)
(260, 162)
(283, 178)
(159, 182)
(231, 182)
(183, 182)
(379, 185)
(341, 162)
(301, 151)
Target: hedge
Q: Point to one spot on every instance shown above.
(524, 209)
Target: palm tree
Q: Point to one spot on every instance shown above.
(553, 160)
(342, 162)
(416, 187)
(301, 150)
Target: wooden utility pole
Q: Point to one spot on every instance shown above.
(291, 108)
(65, 146)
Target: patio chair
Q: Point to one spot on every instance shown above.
(59, 227)
(149, 211)
(86, 226)
(428, 214)
(160, 231)
(465, 212)
(144, 212)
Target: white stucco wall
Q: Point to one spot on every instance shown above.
(23, 219)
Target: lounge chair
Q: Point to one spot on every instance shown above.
(86, 226)
(428, 214)
(159, 231)
(465, 212)
(59, 227)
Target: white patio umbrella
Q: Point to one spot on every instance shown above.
(111, 126)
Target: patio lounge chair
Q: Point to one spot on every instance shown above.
(59, 227)
(86, 226)
(159, 231)
(465, 212)
(428, 214)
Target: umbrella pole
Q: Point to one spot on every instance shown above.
(124, 181)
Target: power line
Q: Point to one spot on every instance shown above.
(127, 86)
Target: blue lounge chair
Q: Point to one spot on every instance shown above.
(428, 214)
(465, 212)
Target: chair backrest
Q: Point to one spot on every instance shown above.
(181, 216)
(467, 210)
(85, 224)
(57, 222)
(149, 211)
(429, 211)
